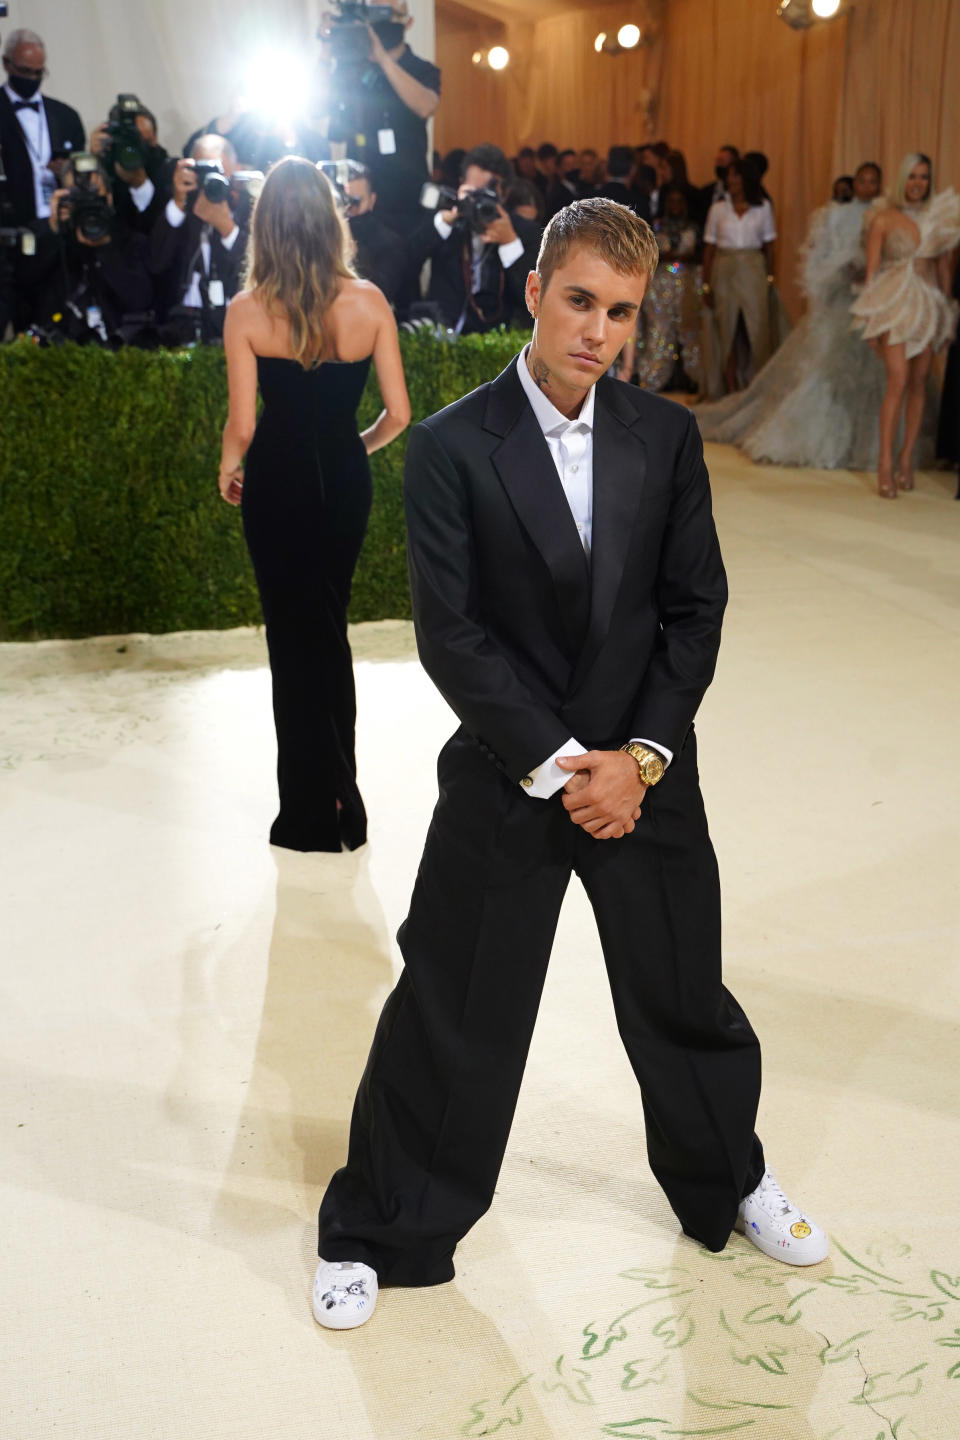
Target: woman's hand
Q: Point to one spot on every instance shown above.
(231, 485)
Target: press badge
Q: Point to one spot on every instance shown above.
(215, 293)
(387, 142)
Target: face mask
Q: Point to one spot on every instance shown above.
(359, 223)
(390, 34)
(573, 175)
(26, 89)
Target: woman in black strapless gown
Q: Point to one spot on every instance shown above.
(305, 488)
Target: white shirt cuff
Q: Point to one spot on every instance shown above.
(442, 228)
(228, 241)
(653, 745)
(510, 253)
(175, 216)
(143, 194)
(548, 778)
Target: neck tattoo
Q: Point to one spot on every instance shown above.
(540, 371)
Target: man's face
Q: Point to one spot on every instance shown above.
(569, 165)
(584, 318)
(842, 191)
(649, 157)
(360, 191)
(675, 204)
(588, 163)
(548, 165)
(724, 157)
(27, 62)
(475, 178)
(866, 184)
(527, 166)
(211, 150)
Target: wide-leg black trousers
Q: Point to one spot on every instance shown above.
(437, 1097)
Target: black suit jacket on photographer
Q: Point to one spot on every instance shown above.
(66, 134)
(499, 297)
(381, 253)
(112, 277)
(159, 167)
(176, 253)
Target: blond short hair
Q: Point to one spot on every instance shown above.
(609, 229)
(900, 189)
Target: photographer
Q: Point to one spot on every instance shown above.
(99, 292)
(381, 253)
(36, 136)
(198, 244)
(481, 253)
(126, 146)
(383, 95)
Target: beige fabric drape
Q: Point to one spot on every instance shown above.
(871, 85)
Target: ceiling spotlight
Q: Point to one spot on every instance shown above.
(801, 14)
(499, 58)
(628, 36)
(600, 41)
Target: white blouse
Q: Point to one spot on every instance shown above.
(731, 231)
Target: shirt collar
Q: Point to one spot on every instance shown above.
(549, 418)
(16, 99)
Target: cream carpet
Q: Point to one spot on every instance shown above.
(185, 1014)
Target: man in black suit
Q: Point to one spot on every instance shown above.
(381, 253)
(621, 181)
(477, 277)
(37, 136)
(197, 249)
(568, 594)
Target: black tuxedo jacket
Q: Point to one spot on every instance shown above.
(173, 253)
(66, 133)
(527, 643)
(448, 284)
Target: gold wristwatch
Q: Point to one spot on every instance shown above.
(650, 763)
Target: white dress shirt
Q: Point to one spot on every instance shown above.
(509, 253)
(750, 231)
(570, 443)
(175, 218)
(36, 134)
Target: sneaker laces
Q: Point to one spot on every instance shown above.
(772, 1197)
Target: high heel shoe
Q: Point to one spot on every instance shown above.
(904, 479)
(886, 482)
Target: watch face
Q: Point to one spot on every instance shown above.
(652, 770)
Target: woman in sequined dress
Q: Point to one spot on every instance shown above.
(669, 333)
(905, 311)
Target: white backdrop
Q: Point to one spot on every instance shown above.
(185, 59)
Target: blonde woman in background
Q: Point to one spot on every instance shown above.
(905, 311)
(306, 330)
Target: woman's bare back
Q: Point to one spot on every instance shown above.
(352, 323)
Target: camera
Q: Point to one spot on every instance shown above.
(84, 212)
(478, 209)
(127, 147)
(212, 183)
(340, 173)
(346, 32)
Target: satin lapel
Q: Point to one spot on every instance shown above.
(529, 476)
(619, 474)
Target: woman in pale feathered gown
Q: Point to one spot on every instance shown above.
(816, 401)
(905, 311)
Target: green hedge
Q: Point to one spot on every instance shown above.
(110, 519)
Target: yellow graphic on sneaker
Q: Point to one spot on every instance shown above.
(800, 1230)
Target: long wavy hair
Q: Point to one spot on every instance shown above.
(300, 251)
(900, 189)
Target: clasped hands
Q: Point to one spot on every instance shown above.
(604, 794)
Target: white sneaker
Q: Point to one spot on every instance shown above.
(778, 1228)
(344, 1294)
